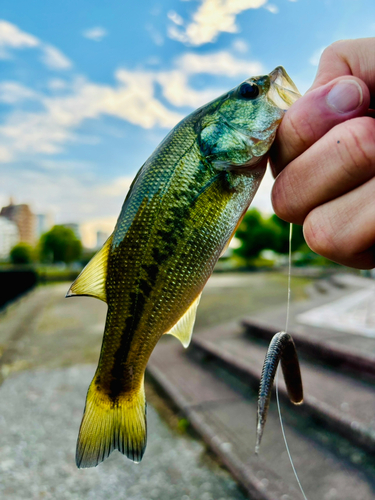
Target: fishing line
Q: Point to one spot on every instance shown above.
(278, 369)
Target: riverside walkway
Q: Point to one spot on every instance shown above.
(48, 347)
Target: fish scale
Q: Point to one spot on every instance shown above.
(181, 211)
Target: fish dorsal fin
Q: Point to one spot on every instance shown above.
(183, 329)
(91, 281)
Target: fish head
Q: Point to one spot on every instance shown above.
(238, 128)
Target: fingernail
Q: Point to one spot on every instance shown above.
(345, 96)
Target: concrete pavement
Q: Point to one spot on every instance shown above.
(44, 340)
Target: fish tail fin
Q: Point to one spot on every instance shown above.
(108, 426)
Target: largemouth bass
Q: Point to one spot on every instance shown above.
(179, 215)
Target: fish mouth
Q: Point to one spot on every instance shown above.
(283, 92)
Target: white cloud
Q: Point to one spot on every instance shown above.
(47, 131)
(117, 187)
(11, 37)
(272, 8)
(211, 18)
(57, 84)
(13, 92)
(5, 154)
(175, 83)
(155, 35)
(97, 33)
(136, 103)
(218, 63)
(240, 45)
(81, 197)
(315, 58)
(54, 58)
(175, 18)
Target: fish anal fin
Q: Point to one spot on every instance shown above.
(183, 329)
(91, 282)
(108, 425)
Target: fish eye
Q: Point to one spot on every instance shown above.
(248, 90)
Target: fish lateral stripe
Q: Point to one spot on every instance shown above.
(108, 426)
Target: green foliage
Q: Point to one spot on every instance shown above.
(255, 235)
(22, 253)
(282, 236)
(258, 233)
(183, 425)
(60, 244)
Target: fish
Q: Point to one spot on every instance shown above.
(178, 217)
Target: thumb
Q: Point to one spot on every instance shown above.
(314, 114)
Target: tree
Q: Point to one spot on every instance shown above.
(60, 244)
(22, 253)
(282, 239)
(256, 234)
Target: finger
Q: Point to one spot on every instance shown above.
(343, 230)
(314, 114)
(348, 57)
(340, 161)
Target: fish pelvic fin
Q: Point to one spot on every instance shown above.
(92, 280)
(183, 329)
(108, 426)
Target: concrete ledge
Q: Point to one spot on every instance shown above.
(242, 472)
(332, 355)
(355, 432)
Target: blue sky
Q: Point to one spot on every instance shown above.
(89, 88)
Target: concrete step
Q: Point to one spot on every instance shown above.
(223, 410)
(343, 404)
(312, 343)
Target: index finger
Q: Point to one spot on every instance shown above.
(309, 118)
(314, 114)
(350, 58)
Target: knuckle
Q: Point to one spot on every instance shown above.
(319, 235)
(335, 49)
(301, 131)
(279, 200)
(360, 146)
(286, 200)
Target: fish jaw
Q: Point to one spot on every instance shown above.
(283, 92)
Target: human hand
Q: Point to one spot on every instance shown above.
(324, 157)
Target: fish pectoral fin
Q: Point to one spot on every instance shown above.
(91, 282)
(183, 329)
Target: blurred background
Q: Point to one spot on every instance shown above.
(87, 91)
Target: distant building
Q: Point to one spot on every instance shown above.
(75, 228)
(101, 238)
(25, 220)
(44, 222)
(9, 236)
